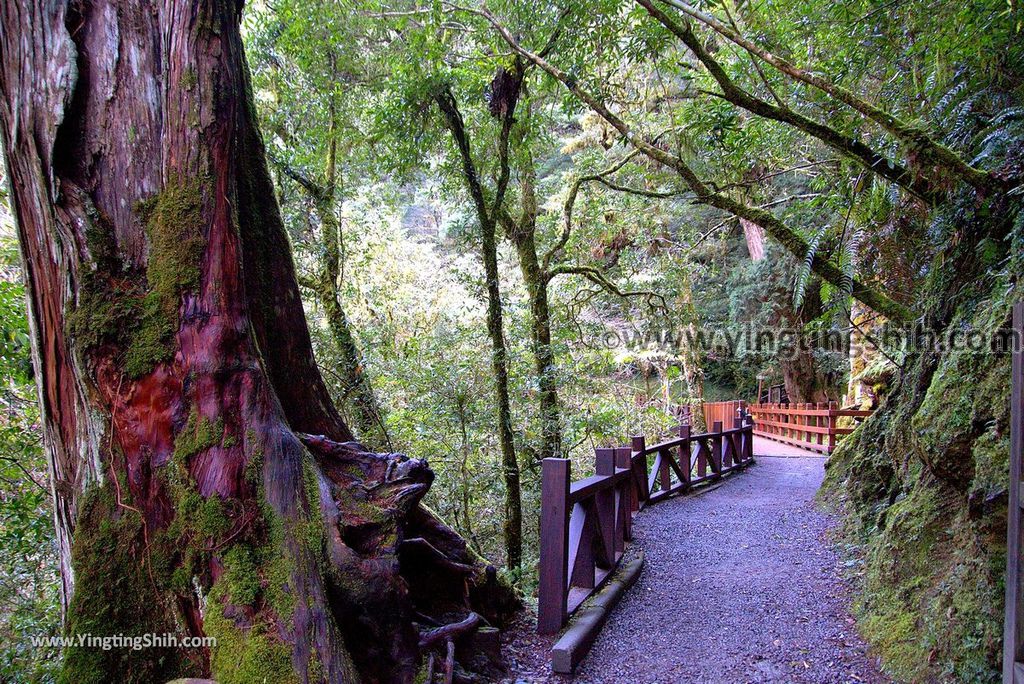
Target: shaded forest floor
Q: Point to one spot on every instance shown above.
(741, 584)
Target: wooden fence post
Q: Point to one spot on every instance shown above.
(833, 423)
(821, 406)
(1013, 626)
(716, 447)
(554, 545)
(750, 437)
(604, 464)
(684, 454)
(727, 451)
(638, 461)
(624, 460)
(739, 439)
(664, 470)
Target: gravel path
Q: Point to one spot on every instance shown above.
(740, 585)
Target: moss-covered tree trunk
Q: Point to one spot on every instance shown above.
(204, 484)
(543, 353)
(358, 402)
(358, 399)
(488, 219)
(522, 233)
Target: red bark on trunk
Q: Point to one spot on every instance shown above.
(203, 481)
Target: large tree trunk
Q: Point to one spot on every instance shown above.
(204, 483)
(800, 373)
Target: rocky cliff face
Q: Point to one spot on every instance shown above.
(923, 483)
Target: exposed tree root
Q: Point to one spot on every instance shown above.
(392, 565)
(449, 631)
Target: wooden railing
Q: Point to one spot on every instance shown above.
(585, 525)
(722, 411)
(809, 426)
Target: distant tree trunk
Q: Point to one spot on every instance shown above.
(800, 373)
(487, 218)
(543, 353)
(358, 398)
(802, 379)
(754, 235)
(522, 234)
(204, 483)
(358, 401)
(499, 364)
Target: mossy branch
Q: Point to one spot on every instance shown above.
(850, 146)
(785, 235)
(600, 279)
(912, 136)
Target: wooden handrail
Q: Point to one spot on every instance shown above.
(809, 426)
(585, 525)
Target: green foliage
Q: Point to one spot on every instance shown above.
(923, 482)
(803, 276)
(344, 92)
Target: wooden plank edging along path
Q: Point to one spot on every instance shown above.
(586, 525)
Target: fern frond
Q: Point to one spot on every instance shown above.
(804, 274)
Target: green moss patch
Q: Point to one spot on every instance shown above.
(117, 308)
(244, 654)
(174, 222)
(922, 488)
(115, 595)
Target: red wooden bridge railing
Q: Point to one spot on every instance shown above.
(810, 426)
(585, 525)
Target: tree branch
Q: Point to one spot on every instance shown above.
(785, 235)
(457, 126)
(595, 276)
(912, 136)
(318, 192)
(570, 202)
(850, 146)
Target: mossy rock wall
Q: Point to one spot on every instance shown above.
(922, 485)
